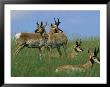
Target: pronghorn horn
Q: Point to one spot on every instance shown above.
(97, 50)
(58, 22)
(45, 24)
(37, 23)
(55, 21)
(76, 42)
(41, 23)
(51, 24)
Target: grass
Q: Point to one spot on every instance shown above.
(28, 64)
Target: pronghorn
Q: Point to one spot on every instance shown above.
(92, 58)
(31, 40)
(56, 40)
(76, 49)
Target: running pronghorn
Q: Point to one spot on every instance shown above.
(76, 49)
(31, 40)
(56, 39)
(92, 58)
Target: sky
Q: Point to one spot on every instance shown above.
(82, 23)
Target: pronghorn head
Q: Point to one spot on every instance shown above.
(93, 56)
(54, 27)
(40, 28)
(77, 46)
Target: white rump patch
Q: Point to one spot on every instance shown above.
(17, 36)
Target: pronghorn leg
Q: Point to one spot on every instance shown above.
(59, 51)
(40, 55)
(65, 48)
(43, 48)
(19, 49)
(49, 51)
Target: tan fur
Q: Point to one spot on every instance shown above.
(81, 67)
(56, 40)
(57, 37)
(75, 51)
(72, 55)
(29, 38)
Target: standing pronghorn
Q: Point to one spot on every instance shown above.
(92, 58)
(56, 39)
(76, 49)
(31, 40)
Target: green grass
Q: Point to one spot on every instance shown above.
(28, 64)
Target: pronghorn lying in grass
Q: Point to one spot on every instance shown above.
(92, 58)
(56, 40)
(77, 48)
(31, 40)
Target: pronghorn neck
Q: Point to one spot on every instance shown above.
(89, 63)
(41, 33)
(78, 49)
(75, 52)
(51, 32)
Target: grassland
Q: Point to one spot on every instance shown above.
(28, 64)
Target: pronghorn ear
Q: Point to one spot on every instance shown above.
(55, 21)
(96, 51)
(76, 42)
(45, 24)
(89, 51)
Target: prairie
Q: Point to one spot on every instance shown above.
(28, 64)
